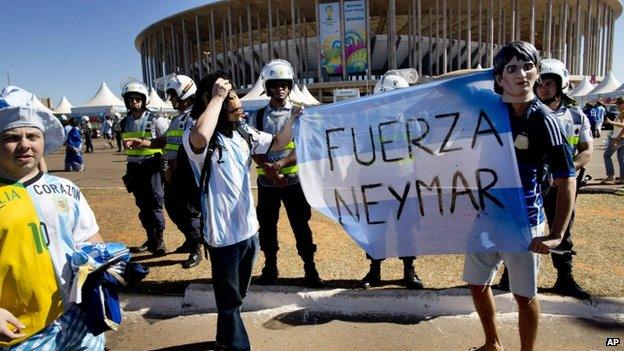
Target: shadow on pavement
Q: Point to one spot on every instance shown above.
(605, 323)
(306, 317)
(348, 284)
(197, 346)
(169, 288)
(162, 263)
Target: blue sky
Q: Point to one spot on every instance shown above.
(68, 47)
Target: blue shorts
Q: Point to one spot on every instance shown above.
(480, 268)
(68, 332)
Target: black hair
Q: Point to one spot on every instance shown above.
(199, 105)
(519, 49)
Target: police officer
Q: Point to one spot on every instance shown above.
(87, 131)
(551, 89)
(181, 90)
(143, 173)
(278, 181)
(373, 277)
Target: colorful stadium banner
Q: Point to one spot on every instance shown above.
(355, 36)
(423, 170)
(331, 54)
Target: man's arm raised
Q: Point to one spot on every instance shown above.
(207, 121)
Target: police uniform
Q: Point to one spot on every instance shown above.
(144, 174)
(577, 129)
(270, 196)
(182, 213)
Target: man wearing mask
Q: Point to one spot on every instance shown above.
(538, 142)
(551, 89)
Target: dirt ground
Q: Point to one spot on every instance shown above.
(598, 238)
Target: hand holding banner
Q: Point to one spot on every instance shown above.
(423, 170)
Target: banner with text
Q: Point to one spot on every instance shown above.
(331, 54)
(355, 36)
(423, 170)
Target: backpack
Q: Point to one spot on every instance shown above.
(184, 172)
(260, 118)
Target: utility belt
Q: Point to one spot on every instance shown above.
(284, 170)
(140, 166)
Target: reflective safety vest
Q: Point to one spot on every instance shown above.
(571, 122)
(273, 156)
(175, 132)
(293, 169)
(174, 139)
(139, 129)
(28, 285)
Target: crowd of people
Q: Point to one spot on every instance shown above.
(197, 168)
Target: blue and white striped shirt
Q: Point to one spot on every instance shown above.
(228, 208)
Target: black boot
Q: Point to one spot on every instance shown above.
(187, 246)
(410, 279)
(144, 247)
(373, 277)
(567, 286)
(194, 257)
(311, 278)
(269, 272)
(503, 284)
(158, 242)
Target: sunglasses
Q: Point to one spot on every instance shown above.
(278, 84)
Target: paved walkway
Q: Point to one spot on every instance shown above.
(288, 318)
(347, 319)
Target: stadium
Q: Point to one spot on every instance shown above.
(350, 44)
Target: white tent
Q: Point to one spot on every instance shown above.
(310, 100)
(583, 88)
(255, 98)
(296, 96)
(606, 89)
(157, 104)
(609, 84)
(63, 107)
(256, 92)
(103, 102)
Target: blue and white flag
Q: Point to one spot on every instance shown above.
(428, 169)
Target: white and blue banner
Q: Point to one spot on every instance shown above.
(428, 169)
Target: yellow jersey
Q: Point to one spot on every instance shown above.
(28, 284)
